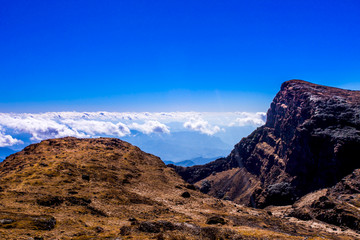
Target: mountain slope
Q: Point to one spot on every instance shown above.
(108, 189)
(310, 141)
(179, 146)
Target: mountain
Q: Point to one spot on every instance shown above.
(185, 163)
(310, 141)
(178, 146)
(192, 162)
(106, 188)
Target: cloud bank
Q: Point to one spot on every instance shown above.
(94, 124)
(150, 127)
(39, 128)
(249, 119)
(7, 140)
(202, 126)
(93, 128)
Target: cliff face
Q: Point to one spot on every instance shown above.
(310, 141)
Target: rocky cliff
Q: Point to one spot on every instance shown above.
(311, 140)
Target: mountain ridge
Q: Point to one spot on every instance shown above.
(192, 162)
(308, 142)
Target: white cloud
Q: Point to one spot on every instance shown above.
(7, 140)
(125, 117)
(118, 124)
(200, 125)
(92, 127)
(39, 128)
(249, 119)
(150, 127)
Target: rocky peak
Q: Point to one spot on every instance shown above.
(310, 141)
(298, 102)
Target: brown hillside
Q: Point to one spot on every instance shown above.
(108, 189)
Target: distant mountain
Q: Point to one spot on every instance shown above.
(192, 162)
(186, 163)
(178, 146)
(311, 140)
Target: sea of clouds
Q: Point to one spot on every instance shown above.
(40, 126)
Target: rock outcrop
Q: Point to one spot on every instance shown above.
(311, 140)
(338, 205)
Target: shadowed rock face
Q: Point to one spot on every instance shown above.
(310, 141)
(338, 205)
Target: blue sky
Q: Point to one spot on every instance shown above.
(206, 71)
(171, 55)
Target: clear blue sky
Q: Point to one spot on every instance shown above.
(166, 55)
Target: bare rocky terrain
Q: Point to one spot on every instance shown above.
(108, 189)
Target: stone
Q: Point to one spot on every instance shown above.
(215, 220)
(185, 194)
